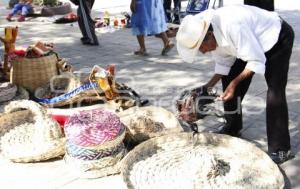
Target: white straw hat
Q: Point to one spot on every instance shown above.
(191, 33)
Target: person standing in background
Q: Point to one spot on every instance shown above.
(148, 18)
(176, 11)
(85, 22)
(263, 4)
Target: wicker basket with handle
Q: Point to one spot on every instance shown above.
(32, 73)
(31, 142)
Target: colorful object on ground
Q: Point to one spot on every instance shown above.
(93, 127)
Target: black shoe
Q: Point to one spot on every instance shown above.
(229, 131)
(85, 41)
(281, 156)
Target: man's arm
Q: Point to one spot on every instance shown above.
(213, 81)
(229, 92)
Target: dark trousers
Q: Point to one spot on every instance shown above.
(264, 4)
(168, 10)
(85, 22)
(276, 74)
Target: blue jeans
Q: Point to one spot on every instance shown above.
(24, 8)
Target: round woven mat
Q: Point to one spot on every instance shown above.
(203, 161)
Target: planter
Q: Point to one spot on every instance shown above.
(57, 10)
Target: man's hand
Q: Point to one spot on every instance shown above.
(229, 92)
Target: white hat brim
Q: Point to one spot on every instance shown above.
(189, 54)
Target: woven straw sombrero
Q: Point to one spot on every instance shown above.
(30, 142)
(147, 122)
(201, 161)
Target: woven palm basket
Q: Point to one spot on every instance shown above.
(21, 94)
(204, 160)
(147, 122)
(31, 142)
(64, 84)
(7, 91)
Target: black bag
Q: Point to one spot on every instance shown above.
(76, 2)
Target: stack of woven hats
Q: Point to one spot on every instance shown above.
(94, 143)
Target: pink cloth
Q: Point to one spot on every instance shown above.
(93, 127)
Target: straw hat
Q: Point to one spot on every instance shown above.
(191, 33)
(205, 160)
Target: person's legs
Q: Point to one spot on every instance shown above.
(233, 107)
(177, 8)
(167, 8)
(276, 75)
(166, 41)
(17, 8)
(86, 23)
(263, 4)
(142, 51)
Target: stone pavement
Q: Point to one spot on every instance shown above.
(158, 78)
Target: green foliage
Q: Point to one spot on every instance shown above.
(46, 2)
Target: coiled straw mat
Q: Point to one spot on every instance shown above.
(21, 94)
(7, 91)
(204, 160)
(31, 142)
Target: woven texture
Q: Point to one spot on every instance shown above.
(199, 161)
(148, 122)
(95, 168)
(92, 128)
(30, 142)
(21, 94)
(61, 85)
(92, 154)
(7, 91)
(32, 73)
(13, 119)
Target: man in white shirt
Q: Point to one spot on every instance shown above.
(244, 40)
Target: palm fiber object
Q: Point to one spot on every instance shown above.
(30, 142)
(199, 161)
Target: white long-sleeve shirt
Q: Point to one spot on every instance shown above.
(243, 32)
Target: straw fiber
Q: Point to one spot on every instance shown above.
(32, 73)
(199, 161)
(30, 142)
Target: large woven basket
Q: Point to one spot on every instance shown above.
(31, 142)
(147, 122)
(199, 161)
(32, 73)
